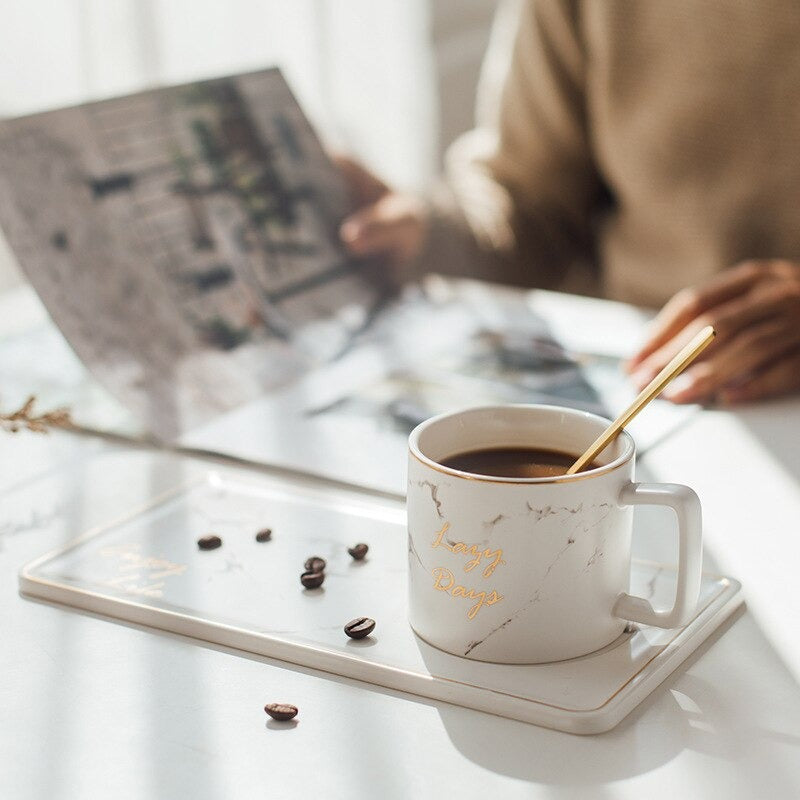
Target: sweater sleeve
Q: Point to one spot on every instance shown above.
(519, 190)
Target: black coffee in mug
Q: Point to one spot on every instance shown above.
(513, 462)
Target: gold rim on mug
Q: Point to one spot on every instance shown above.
(415, 451)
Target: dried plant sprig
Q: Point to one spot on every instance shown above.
(24, 417)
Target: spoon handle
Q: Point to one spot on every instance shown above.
(679, 363)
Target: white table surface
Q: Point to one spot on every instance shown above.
(91, 708)
(94, 708)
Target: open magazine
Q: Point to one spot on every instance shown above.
(184, 241)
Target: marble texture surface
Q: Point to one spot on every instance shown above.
(148, 569)
(517, 571)
(129, 712)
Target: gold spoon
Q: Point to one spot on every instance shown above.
(678, 364)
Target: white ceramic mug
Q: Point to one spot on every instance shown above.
(526, 570)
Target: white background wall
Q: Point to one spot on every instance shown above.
(392, 81)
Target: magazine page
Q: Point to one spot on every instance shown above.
(184, 240)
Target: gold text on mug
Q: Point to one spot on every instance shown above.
(444, 581)
(495, 557)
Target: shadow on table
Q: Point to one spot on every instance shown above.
(652, 735)
(684, 713)
(769, 424)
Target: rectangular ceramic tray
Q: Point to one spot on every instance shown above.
(146, 568)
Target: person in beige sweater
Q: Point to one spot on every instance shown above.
(642, 150)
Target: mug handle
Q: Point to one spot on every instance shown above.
(686, 505)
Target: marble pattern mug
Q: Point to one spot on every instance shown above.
(528, 570)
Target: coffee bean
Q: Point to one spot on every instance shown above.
(264, 535)
(359, 627)
(59, 240)
(315, 564)
(312, 580)
(210, 542)
(358, 551)
(282, 712)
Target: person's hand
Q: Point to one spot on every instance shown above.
(755, 309)
(385, 223)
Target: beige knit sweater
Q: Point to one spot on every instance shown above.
(652, 142)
